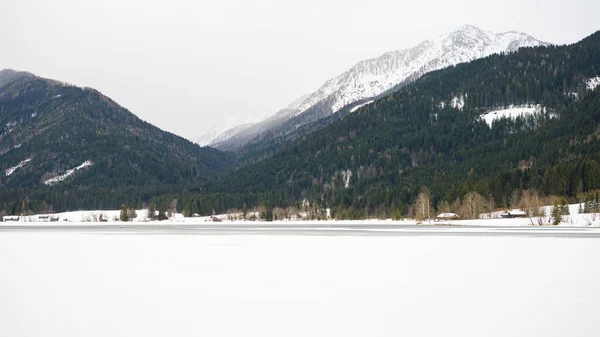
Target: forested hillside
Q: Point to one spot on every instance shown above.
(431, 134)
(48, 129)
(441, 134)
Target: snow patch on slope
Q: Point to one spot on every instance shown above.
(360, 106)
(458, 102)
(592, 83)
(67, 174)
(296, 104)
(219, 133)
(512, 112)
(345, 175)
(18, 166)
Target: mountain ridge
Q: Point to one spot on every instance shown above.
(49, 128)
(437, 133)
(389, 71)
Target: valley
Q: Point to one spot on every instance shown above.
(479, 128)
(317, 168)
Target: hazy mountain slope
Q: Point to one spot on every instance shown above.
(231, 140)
(221, 134)
(371, 78)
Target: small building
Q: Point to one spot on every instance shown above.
(11, 218)
(215, 218)
(448, 216)
(515, 213)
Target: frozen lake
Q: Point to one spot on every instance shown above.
(318, 281)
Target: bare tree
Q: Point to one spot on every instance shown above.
(514, 198)
(423, 205)
(472, 205)
(444, 207)
(172, 208)
(131, 213)
(530, 202)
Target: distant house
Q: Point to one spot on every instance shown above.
(47, 217)
(515, 213)
(10, 218)
(215, 218)
(448, 216)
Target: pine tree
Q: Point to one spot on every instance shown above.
(152, 211)
(398, 215)
(556, 213)
(560, 209)
(162, 214)
(187, 210)
(43, 207)
(131, 213)
(124, 216)
(564, 206)
(245, 210)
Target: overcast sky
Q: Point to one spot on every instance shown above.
(187, 65)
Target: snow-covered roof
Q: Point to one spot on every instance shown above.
(448, 215)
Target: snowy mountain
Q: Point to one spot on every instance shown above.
(207, 137)
(232, 138)
(373, 77)
(298, 102)
(229, 133)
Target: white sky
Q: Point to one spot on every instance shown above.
(188, 65)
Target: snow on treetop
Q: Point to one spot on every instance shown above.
(592, 83)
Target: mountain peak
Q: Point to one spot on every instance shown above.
(9, 75)
(467, 28)
(371, 78)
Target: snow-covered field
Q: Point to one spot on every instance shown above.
(81, 284)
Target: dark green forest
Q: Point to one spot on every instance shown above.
(407, 141)
(373, 162)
